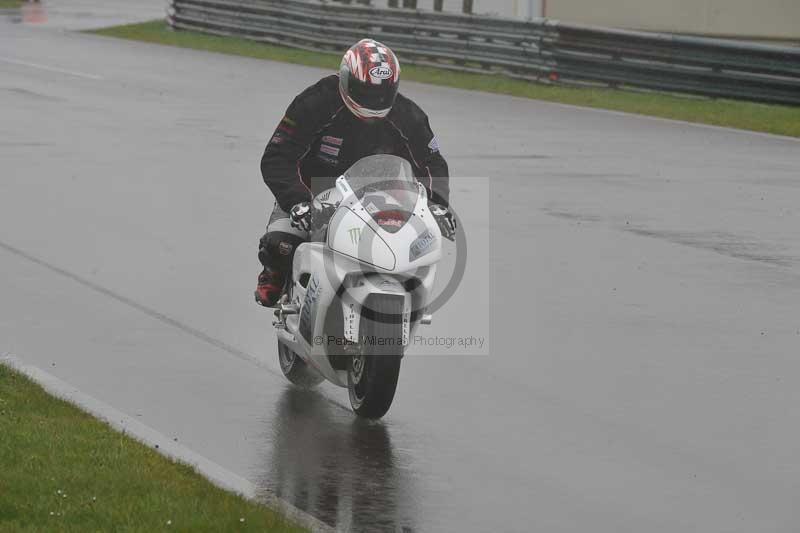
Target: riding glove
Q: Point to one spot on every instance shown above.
(445, 219)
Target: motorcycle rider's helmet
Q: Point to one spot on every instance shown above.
(369, 77)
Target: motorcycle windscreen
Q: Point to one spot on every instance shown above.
(387, 189)
(350, 235)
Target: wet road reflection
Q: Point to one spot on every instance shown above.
(341, 469)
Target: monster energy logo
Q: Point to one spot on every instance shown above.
(355, 235)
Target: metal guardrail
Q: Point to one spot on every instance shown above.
(542, 49)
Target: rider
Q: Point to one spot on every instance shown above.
(326, 129)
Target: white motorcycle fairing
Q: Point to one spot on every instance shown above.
(317, 267)
(332, 280)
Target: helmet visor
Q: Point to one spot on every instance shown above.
(372, 96)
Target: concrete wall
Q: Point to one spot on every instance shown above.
(761, 19)
(502, 8)
(768, 19)
(509, 8)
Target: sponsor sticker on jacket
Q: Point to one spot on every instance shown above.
(330, 150)
(336, 141)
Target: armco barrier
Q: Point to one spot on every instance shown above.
(538, 49)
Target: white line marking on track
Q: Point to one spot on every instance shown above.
(144, 309)
(51, 69)
(118, 420)
(157, 315)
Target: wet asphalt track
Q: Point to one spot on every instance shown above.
(645, 318)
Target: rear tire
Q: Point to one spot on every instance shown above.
(372, 374)
(296, 370)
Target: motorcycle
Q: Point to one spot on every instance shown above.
(362, 284)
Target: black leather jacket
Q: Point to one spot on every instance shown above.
(319, 138)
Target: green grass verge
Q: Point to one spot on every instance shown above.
(782, 120)
(63, 470)
(11, 4)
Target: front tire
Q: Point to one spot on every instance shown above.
(296, 370)
(372, 374)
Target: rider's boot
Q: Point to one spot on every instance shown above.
(269, 287)
(275, 252)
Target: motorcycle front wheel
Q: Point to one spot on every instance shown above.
(373, 372)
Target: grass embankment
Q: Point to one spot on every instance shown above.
(782, 120)
(63, 470)
(11, 4)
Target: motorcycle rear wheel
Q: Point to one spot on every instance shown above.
(296, 370)
(372, 374)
